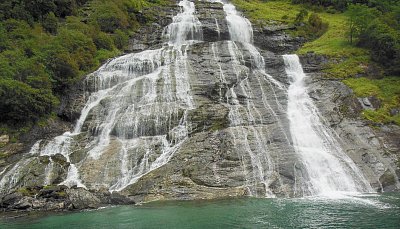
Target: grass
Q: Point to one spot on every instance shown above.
(387, 90)
(345, 67)
(350, 60)
(268, 12)
(333, 43)
(346, 60)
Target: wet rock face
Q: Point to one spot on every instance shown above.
(275, 39)
(374, 150)
(212, 18)
(219, 158)
(151, 36)
(218, 116)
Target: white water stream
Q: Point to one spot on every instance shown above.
(139, 109)
(246, 119)
(330, 170)
(140, 104)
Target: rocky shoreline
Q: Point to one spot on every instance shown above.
(60, 198)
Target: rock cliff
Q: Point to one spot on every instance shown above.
(199, 120)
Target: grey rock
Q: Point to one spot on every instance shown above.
(117, 198)
(366, 104)
(82, 199)
(4, 139)
(10, 199)
(216, 160)
(374, 150)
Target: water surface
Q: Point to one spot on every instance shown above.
(370, 211)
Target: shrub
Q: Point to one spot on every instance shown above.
(64, 70)
(50, 23)
(120, 39)
(110, 18)
(301, 16)
(316, 25)
(104, 41)
(20, 102)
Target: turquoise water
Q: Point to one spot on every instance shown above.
(372, 211)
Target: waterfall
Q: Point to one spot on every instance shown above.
(185, 26)
(138, 115)
(240, 28)
(246, 119)
(138, 110)
(329, 169)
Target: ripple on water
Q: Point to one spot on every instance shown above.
(360, 211)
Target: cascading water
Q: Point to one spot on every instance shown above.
(138, 115)
(330, 170)
(138, 110)
(239, 27)
(245, 117)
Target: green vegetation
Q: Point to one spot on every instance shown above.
(387, 90)
(341, 5)
(357, 38)
(48, 46)
(379, 31)
(26, 191)
(264, 12)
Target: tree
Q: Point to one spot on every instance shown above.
(120, 39)
(65, 71)
(359, 17)
(21, 103)
(39, 8)
(384, 43)
(104, 41)
(109, 17)
(50, 23)
(65, 8)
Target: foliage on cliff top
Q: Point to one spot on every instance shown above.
(333, 42)
(376, 40)
(374, 29)
(268, 11)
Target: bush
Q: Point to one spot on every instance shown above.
(102, 55)
(80, 46)
(50, 23)
(64, 70)
(301, 16)
(316, 25)
(110, 18)
(120, 39)
(21, 103)
(104, 41)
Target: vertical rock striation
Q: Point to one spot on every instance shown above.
(196, 111)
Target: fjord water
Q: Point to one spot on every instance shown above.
(362, 212)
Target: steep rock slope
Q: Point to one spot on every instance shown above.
(191, 114)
